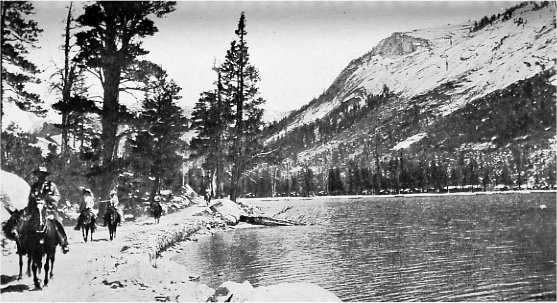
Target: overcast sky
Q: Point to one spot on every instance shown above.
(299, 47)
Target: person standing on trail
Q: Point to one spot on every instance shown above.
(208, 195)
(45, 190)
(114, 202)
(87, 203)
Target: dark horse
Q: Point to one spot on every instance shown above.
(41, 240)
(87, 224)
(112, 218)
(13, 229)
(156, 210)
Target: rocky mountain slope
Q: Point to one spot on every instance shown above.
(479, 85)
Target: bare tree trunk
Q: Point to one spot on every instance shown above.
(109, 127)
(66, 85)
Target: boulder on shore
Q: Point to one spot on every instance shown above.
(232, 292)
(292, 292)
(14, 192)
(228, 210)
(191, 195)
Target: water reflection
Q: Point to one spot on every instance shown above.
(473, 248)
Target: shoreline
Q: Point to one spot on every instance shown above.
(416, 195)
(130, 268)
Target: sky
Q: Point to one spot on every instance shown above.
(299, 47)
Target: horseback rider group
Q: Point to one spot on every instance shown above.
(115, 203)
(86, 205)
(45, 190)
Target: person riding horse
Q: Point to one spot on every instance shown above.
(114, 202)
(45, 190)
(86, 205)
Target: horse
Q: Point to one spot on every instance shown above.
(41, 240)
(112, 218)
(156, 210)
(87, 224)
(13, 229)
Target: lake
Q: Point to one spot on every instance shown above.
(496, 247)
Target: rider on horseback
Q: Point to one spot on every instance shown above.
(86, 205)
(45, 190)
(114, 202)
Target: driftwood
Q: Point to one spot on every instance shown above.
(259, 220)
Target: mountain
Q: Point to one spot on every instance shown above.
(486, 85)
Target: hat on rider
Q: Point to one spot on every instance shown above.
(157, 199)
(86, 190)
(112, 192)
(41, 170)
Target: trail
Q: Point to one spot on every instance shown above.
(118, 270)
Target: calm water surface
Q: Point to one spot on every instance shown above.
(452, 248)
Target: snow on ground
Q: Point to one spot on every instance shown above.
(409, 141)
(25, 121)
(135, 266)
(118, 270)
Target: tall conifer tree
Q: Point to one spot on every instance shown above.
(240, 80)
(157, 149)
(109, 46)
(18, 35)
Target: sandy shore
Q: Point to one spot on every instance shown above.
(125, 269)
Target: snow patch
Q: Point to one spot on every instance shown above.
(25, 122)
(409, 141)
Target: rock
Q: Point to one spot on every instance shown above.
(191, 195)
(228, 210)
(14, 192)
(205, 212)
(237, 292)
(292, 292)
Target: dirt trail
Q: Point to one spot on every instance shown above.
(118, 270)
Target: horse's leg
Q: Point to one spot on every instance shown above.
(52, 258)
(20, 266)
(84, 233)
(36, 265)
(46, 269)
(29, 260)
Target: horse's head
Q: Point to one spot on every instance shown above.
(14, 227)
(86, 216)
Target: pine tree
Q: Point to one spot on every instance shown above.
(307, 179)
(211, 119)
(240, 89)
(163, 124)
(110, 45)
(19, 34)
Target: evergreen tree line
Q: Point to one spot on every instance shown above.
(507, 15)
(399, 172)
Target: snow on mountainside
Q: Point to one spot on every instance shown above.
(23, 121)
(415, 63)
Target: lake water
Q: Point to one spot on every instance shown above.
(449, 248)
